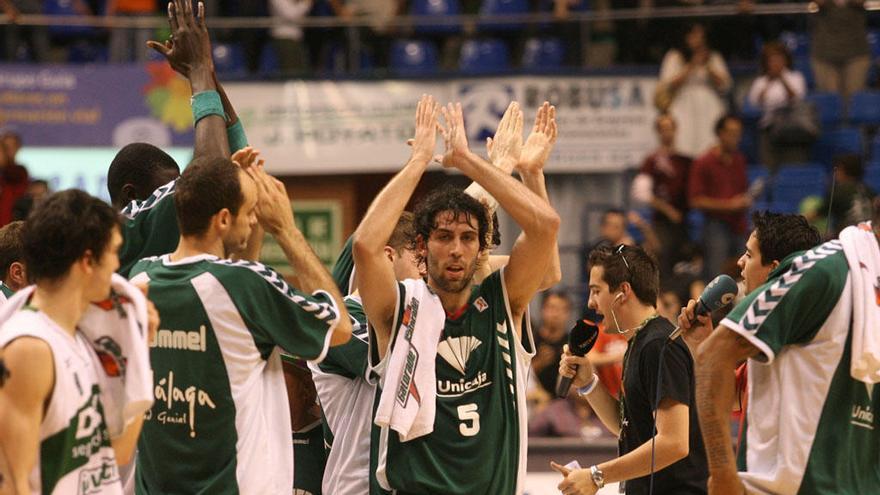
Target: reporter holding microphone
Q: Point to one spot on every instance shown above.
(623, 285)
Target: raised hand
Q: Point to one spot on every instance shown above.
(189, 47)
(273, 205)
(247, 157)
(425, 139)
(540, 142)
(505, 149)
(454, 134)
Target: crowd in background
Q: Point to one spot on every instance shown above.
(839, 53)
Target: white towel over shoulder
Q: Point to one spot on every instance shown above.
(408, 402)
(117, 330)
(863, 256)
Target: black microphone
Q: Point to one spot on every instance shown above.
(581, 339)
(719, 293)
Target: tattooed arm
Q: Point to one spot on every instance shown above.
(717, 358)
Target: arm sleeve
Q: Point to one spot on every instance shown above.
(671, 66)
(149, 228)
(675, 375)
(278, 314)
(791, 308)
(798, 85)
(236, 137)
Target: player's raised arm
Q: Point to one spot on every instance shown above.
(376, 281)
(531, 256)
(188, 50)
(276, 217)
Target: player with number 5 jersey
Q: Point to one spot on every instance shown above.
(482, 356)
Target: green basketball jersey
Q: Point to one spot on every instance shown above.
(221, 422)
(5, 292)
(309, 458)
(811, 428)
(479, 441)
(150, 228)
(346, 397)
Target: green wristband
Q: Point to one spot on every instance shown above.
(235, 136)
(206, 103)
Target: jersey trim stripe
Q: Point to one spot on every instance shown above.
(135, 208)
(769, 298)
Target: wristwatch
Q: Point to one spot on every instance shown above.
(597, 475)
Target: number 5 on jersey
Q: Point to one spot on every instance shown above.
(470, 420)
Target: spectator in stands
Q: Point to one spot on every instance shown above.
(841, 55)
(288, 39)
(37, 190)
(662, 184)
(127, 44)
(375, 40)
(851, 199)
(718, 187)
(14, 178)
(777, 92)
(36, 37)
(552, 416)
(693, 81)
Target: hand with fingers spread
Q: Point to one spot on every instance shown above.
(576, 482)
(247, 157)
(189, 47)
(455, 136)
(540, 142)
(425, 139)
(505, 148)
(274, 211)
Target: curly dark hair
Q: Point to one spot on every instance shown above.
(62, 228)
(781, 234)
(456, 201)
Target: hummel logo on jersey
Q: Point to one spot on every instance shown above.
(481, 304)
(181, 340)
(457, 350)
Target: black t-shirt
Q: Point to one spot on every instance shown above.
(689, 475)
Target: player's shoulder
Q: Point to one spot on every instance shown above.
(144, 265)
(246, 275)
(822, 267)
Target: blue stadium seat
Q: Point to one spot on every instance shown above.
(749, 113)
(503, 7)
(543, 53)
(805, 67)
(794, 182)
(85, 52)
(229, 59)
(270, 65)
(829, 106)
(749, 143)
(874, 42)
(872, 176)
(65, 7)
(414, 58)
(798, 44)
(835, 142)
(695, 222)
(864, 108)
(438, 9)
(484, 57)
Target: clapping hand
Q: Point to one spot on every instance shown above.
(507, 146)
(540, 142)
(454, 135)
